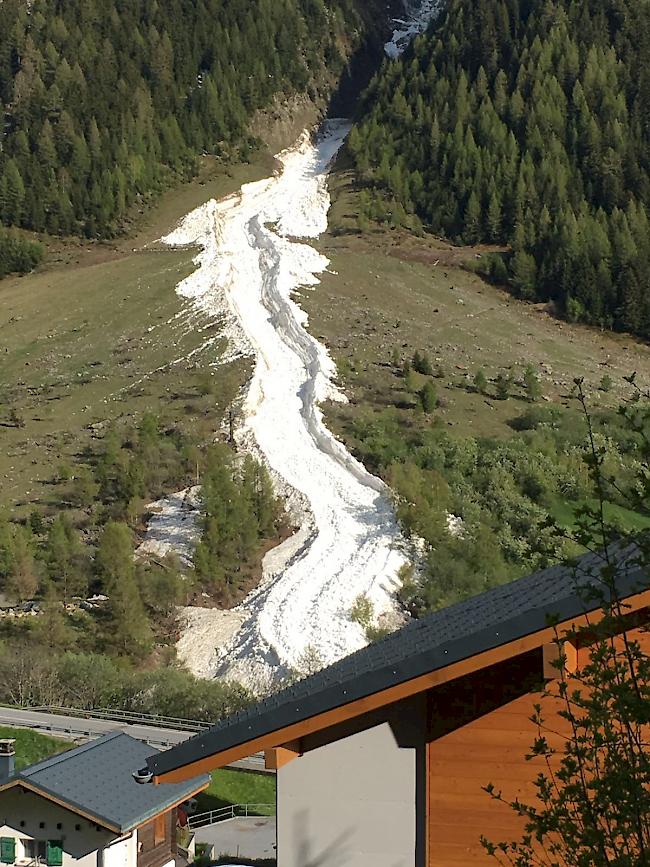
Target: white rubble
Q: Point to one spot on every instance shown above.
(417, 17)
(348, 542)
(173, 526)
(203, 632)
(455, 526)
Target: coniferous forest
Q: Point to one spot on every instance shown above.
(525, 123)
(105, 102)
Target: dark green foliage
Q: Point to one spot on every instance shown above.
(591, 780)
(506, 492)
(526, 122)
(18, 255)
(141, 465)
(428, 397)
(422, 364)
(480, 381)
(503, 385)
(606, 383)
(240, 510)
(130, 630)
(104, 102)
(86, 680)
(65, 560)
(531, 383)
(89, 548)
(19, 574)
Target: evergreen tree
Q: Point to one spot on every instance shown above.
(480, 381)
(52, 628)
(428, 397)
(105, 104)
(130, 630)
(536, 138)
(22, 579)
(532, 385)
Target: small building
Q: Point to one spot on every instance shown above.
(83, 808)
(382, 758)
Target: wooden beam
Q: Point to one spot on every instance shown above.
(277, 757)
(345, 712)
(552, 653)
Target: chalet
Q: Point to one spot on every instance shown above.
(382, 758)
(83, 808)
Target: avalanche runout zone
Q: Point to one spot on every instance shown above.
(348, 541)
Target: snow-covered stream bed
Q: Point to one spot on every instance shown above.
(418, 14)
(348, 542)
(253, 258)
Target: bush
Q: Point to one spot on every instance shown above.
(18, 255)
(422, 364)
(362, 611)
(428, 397)
(534, 417)
(493, 267)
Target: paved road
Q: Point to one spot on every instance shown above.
(79, 728)
(250, 838)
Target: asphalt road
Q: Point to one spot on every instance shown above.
(78, 728)
(250, 838)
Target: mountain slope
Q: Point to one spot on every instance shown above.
(526, 122)
(104, 101)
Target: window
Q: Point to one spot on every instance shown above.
(159, 829)
(35, 849)
(7, 850)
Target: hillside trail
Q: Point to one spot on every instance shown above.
(254, 258)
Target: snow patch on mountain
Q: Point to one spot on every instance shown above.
(348, 542)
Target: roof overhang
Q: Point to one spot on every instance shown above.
(636, 607)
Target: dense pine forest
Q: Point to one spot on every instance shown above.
(525, 123)
(105, 102)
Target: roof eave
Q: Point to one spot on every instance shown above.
(95, 818)
(185, 765)
(151, 814)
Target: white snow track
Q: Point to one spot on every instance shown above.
(348, 541)
(418, 14)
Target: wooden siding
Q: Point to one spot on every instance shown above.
(488, 750)
(157, 840)
(489, 746)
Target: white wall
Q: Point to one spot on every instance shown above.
(351, 800)
(80, 846)
(121, 853)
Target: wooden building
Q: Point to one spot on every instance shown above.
(382, 758)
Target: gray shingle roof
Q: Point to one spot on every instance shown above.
(494, 618)
(97, 778)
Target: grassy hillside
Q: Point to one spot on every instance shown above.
(502, 444)
(31, 746)
(231, 786)
(87, 342)
(93, 344)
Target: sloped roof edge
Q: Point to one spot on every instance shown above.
(468, 629)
